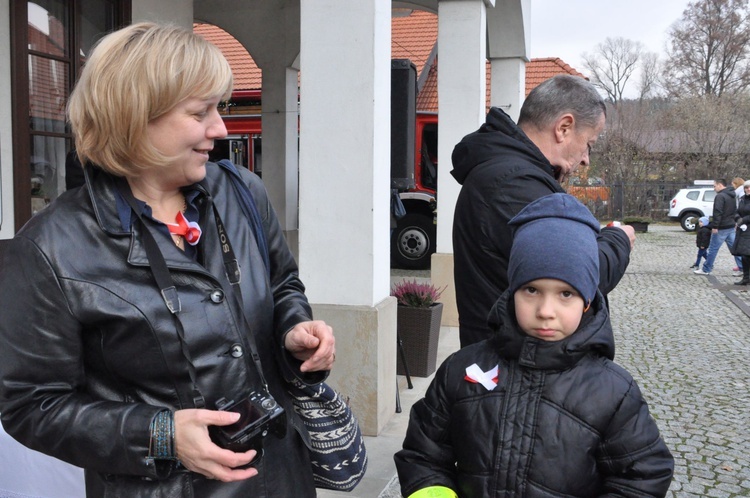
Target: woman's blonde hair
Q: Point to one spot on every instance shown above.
(135, 75)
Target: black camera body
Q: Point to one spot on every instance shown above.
(260, 415)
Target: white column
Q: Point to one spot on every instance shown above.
(509, 45)
(7, 228)
(508, 85)
(462, 45)
(344, 192)
(179, 12)
(280, 160)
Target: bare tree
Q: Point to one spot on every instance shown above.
(631, 134)
(708, 49)
(711, 135)
(612, 64)
(650, 75)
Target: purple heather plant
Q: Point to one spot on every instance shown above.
(415, 294)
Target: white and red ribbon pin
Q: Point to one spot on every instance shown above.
(478, 376)
(188, 229)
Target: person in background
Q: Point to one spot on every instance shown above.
(398, 210)
(540, 409)
(742, 244)
(739, 189)
(722, 225)
(103, 368)
(702, 240)
(502, 167)
(739, 192)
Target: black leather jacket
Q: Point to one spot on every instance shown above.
(501, 171)
(563, 420)
(91, 354)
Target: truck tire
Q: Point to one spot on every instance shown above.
(413, 242)
(689, 221)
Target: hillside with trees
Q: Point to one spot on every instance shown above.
(690, 118)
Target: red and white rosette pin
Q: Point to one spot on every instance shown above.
(190, 230)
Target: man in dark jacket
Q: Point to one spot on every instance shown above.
(502, 168)
(722, 223)
(539, 410)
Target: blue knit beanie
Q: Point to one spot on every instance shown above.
(555, 237)
(704, 220)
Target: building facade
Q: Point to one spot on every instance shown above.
(325, 120)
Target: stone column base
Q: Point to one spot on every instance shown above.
(365, 368)
(442, 277)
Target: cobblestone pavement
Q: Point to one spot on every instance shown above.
(686, 340)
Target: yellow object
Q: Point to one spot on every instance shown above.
(434, 492)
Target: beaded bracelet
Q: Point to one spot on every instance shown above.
(161, 445)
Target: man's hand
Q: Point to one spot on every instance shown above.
(630, 231)
(313, 343)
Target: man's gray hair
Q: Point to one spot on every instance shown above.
(559, 95)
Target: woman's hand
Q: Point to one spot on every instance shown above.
(313, 343)
(196, 451)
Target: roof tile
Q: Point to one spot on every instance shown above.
(247, 74)
(412, 37)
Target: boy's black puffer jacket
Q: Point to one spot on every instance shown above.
(703, 236)
(564, 420)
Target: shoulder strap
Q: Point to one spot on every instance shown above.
(160, 271)
(247, 203)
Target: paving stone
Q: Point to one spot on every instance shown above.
(685, 340)
(692, 367)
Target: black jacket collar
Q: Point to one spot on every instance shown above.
(499, 136)
(594, 335)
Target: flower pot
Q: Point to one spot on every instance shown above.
(419, 331)
(638, 226)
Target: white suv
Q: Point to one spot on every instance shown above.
(691, 203)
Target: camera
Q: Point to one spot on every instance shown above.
(260, 415)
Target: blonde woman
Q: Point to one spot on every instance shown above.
(104, 366)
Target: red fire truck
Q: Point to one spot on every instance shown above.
(413, 240)
(243, 143)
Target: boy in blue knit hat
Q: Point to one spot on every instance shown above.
(540, 409)
(702, 240)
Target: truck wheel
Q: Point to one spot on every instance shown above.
(689, 221)
(413, 242)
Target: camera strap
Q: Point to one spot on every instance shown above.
(164, 280)
(234, 275)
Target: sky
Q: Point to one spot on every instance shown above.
(568, 28)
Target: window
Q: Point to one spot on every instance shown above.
(429, 155)
(51, 39)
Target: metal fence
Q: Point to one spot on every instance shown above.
(622, 200)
